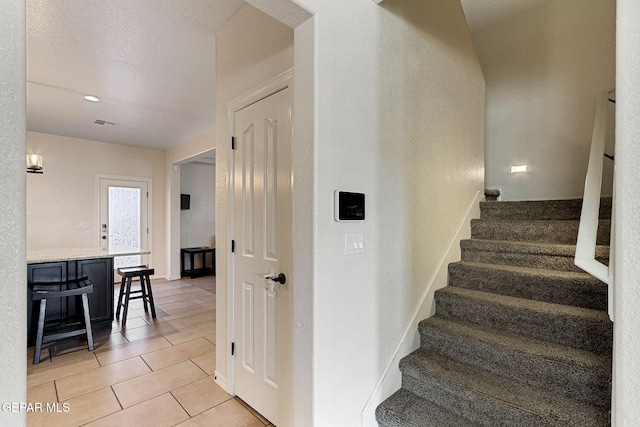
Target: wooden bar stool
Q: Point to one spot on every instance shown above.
(47, 290)
(128, 273)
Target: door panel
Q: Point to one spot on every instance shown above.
(263, 231)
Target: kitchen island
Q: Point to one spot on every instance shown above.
(60, 265)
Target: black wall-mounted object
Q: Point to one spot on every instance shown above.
(185, 201)
(349, 206)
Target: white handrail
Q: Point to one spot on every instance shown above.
(585, 257)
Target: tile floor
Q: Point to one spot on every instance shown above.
(157, 372)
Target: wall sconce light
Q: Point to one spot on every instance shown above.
(34, 163)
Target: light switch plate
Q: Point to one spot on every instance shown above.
(353, 243)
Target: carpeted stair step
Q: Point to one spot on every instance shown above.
(578, 374)
(405, 409)
(533, 255)
(490, 399)
(560, 287)
(563, 232)
(576, 327)
(521, 337)
(540, 210)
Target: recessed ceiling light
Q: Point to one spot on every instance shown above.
(91, 98)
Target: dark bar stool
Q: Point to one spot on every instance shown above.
(128, 273)
(43, 291)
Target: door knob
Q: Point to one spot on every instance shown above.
(104, 237)
(281, 278)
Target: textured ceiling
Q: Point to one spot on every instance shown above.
(151, 62)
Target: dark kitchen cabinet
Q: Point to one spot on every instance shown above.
(65, 313)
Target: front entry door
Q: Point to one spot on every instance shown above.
(123, 218)
(263, 328)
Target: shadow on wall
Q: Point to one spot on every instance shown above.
(544, 68)
(431, 153)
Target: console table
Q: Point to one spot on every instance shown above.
(202, 252)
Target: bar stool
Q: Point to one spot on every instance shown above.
(45, 290)
(128, 273)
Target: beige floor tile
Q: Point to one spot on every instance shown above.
(196, 294)
(160, 411)
(161, 315)
(182, 292)
(127, 351)
(133, 305)
(253, 411)
(104, 341)
(124, 359)
(145, 387)
(60, 367)
(81, 410)
(206, 362)
(211, 338)
(227, 414)
(178, 353)
(54, 362)
(132, 322)
(201, 395)
(197, 308)
(176, 304)
(155, 329)
(78, 384)
(196, 319)
(159, 300)
(43, 393)
(192, 333)
(68, 346)
(203, 300)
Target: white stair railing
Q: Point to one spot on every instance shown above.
(585, 257)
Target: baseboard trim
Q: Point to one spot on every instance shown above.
(390, 380)
(220, 380)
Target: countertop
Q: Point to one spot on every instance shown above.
(36, 256)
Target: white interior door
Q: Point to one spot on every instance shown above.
(123, 218)
(263, 328)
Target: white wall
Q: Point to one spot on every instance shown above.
(198, 223)
(626, 385)
(544, 68)
(65, 195)
(400, 117)
(13, 264)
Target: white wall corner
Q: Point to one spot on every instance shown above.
(390, 379)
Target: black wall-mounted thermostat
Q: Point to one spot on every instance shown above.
(185, 202)
(349, 206)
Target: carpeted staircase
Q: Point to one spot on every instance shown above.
(521, 336)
